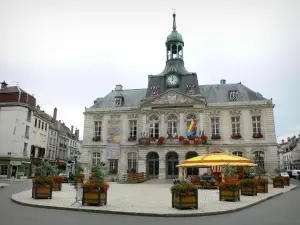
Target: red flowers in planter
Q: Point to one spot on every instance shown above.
(181, 138)
(203, 138)
(197, 142)
(160, 140)
(257, 135)
(236, 136)
(186, 142)
(192, 137)
(56, 179)
(97, 138)
(91, 185)
(215, 137)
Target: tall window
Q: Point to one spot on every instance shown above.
(235, 123)
(259, 159)
(256, 124)
(46, 126)
(35, 122)
(154, 126)
(132, 128)
(215, 123)
(238, 153)
(27, 132)
(113, 165)
(98, 125)
(39, 123)
(29, 115)
(172, 125)
(96, 158)
(25, 149)
(42, 125)
(131, 160)
(189, 119)
(3, 169)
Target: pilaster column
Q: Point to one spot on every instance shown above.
(162, 125)
(181, 125)
(142, 166)
(162, 168)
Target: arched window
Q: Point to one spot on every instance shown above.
(259, 159)
(189, 119)
(237, 153)
(154, 126)
(172, 125)
(131, 165)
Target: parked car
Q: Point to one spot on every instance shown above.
(289, 172)
(295, 174)
(284, 174)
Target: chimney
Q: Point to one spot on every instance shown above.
(223, 81)
(119, 87)
(38, 107)
(58, 124)
(72, 128)
(54, 114)
(77, 134)
(3, 85)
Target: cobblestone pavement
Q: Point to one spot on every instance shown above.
(147, 199)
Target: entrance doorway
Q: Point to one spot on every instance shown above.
(191, 171)
(171, 163)
(152, 165)
(14, 171)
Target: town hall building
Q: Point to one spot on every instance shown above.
(149, 129)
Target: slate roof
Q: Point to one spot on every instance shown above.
(11, 89)
(215, 93)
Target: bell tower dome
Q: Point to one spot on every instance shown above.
(174, 43)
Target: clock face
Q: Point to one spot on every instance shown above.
(172, 80)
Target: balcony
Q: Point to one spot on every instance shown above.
(192, 140)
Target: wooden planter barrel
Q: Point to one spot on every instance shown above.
(262, 188)
(42, 191)
(185, 201)
(94, 197)
(56, 186)
(249, 190)
(278, 183)
(286, 181)
(229, 195)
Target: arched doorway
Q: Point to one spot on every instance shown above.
(191, 171)
(171, 163)
(152, 165)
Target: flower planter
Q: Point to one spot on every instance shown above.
(229, 195)
(278, 183)
(93, 197)
(56, 186)
(249, 190)
(286, 181)
(185, 201)
(78, 181)
(262, 188)
(42, 191)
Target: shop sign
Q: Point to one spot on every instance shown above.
(15, 163)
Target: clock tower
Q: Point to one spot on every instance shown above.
(174, 76)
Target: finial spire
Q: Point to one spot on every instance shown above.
(174, 20)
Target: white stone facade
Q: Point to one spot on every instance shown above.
(247, 145)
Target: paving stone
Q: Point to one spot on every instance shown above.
(147, 198)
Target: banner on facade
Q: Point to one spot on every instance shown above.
(114, 132)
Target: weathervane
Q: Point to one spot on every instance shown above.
(174, 10)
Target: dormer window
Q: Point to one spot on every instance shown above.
(118, 101)
(233, 95)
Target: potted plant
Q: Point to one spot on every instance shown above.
(278, 182)
(216, 137)
(236, 136)
(41, 188)
(95, 190)
(197, 142)
(257, 135)
(78, 178)
(203, 139)
(57, 182)
(229, 190)
(161, 140)
(262, 185)
(184, 195)
(181, 138)
(248, 187)
(186, 142)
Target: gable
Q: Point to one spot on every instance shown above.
(172, 97)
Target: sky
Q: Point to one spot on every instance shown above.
(70, 52)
